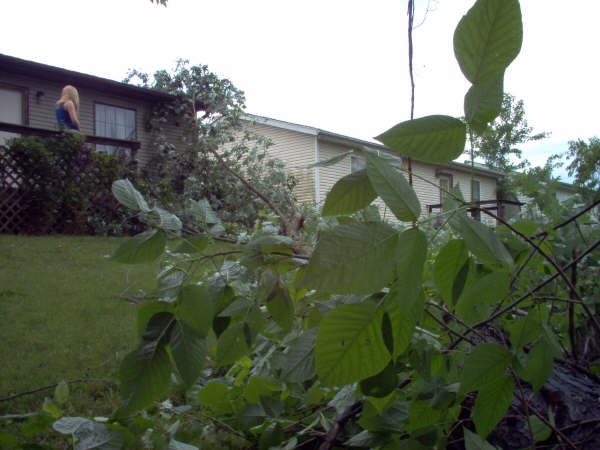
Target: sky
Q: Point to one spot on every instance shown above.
(338, 65)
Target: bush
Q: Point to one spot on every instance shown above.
(66, 186)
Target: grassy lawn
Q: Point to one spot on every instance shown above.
(62, 318)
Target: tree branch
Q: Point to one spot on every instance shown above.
(50, 386)
(348, 414)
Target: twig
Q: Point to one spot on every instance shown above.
(450, 330)
(454, 317)
(534, 290)
(331, 436)
(253, 189)
(560, 270)
(570, 219)
(50, 386)
(571, 308)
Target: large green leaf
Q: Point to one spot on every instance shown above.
(436, 139)
(202, 211)
(142, 248)
(483, 102)
(147, 310)
(538, 366)
(393, 188)
(482, 241)
(129, 196)
(491, 404)
(189, 352)
(165, 220)
(404, 313)
(196, 307)
(354, 258)
(486, 364)
(450, 261)
(350, 194)
(299, 362)
(145, 373)
(215, 395)
(482, 293)
(412, 245)
(233, 344)
(350, 345)
(488, 38)
(281, 307)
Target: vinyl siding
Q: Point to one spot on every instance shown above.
(296, 150)
(41, 109)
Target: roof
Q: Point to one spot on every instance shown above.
(51, 73)
(347, 140)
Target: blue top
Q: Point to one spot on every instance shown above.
(64, 119)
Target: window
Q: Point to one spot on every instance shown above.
(114, 122)
(445, 186)
(357, 163)
(12, 109)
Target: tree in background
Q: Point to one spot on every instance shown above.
(501, 140)
(208, 110)
(585, 165)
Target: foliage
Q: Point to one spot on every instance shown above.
(585, 166)
(355, 333)
(498, 143)
(208, 110)
(66, 186)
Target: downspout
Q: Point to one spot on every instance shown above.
(317, 178)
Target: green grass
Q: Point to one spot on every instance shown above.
(62, 318)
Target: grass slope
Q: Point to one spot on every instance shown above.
(62, 318)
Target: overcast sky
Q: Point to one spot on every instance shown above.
(338, 65)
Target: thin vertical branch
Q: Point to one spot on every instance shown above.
(411, 16)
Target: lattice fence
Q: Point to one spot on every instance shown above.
(69, 195)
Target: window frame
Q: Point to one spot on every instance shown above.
(25, 92)
(135, 127)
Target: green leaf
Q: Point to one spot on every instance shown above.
(147, 310)
(404, 313)
(215, 395)
(299, 362)
(142, 248)
(488, 38)
(353, 259)
(381, 384)
(129, 196)
(232, 344)
(436, 139)
(258, 387)
(393, 188)
(145, 373)
(412, 253)
(485, 291)
(189, 352)
(523, 330)
(492, 403)
(349, 194)
(350, 345)
(272, 436)
(483, 102)
(165, 220)
(538, 366)
(485, 365)
(448, 264)
(202, 211)
(482, 241)
(192, 244)
(61, 393)
(474, 442)
(68, 425)
(196, 307)
(540, 430)
(281, 307)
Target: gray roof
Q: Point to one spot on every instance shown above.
(11, 64)
(347, 140)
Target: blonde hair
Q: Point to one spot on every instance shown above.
(69, 93)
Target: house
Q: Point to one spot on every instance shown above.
(300, 146)
(112, 114)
